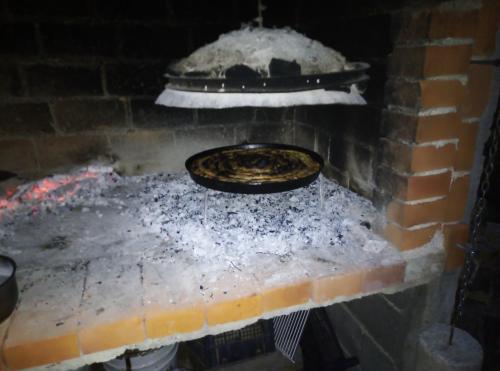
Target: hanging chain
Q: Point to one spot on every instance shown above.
(477, 225)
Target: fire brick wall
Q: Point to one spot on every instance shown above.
(429, 127)
(435, 101)
(79, 80)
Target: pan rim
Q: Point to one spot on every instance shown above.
(254, 188)
(14, 269)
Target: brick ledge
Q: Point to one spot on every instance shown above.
(419, 267)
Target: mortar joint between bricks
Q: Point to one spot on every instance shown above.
(23, 79)
(413, 227)
(425, 173)
(391, 304)
(107, 137)
(470, 120)
(235, 135)
(196, 117)
(128, 111)
(438, 143)
(402, 110)
(104, 82)
(402, 78)
(420, 111)
(316, 140)
(328, 151)
(285, 113)
(399, 109)
(119, 41)
(54, 122)
(38, 38)
(459, 174)
(420, 201)
(447, 224)
(433, 143)
(418, 226)
(253, 119)
(462, 78)
(436, 111)
(37, 155)
(444, 42)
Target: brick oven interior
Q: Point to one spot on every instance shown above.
(78, 84)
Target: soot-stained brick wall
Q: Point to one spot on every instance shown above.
(78, 80)
(349, 135)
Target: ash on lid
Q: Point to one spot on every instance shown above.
(255, 47)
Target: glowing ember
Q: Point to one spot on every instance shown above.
(59, 189)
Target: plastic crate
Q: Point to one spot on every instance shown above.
(233, 346)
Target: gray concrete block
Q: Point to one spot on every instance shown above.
(434, 353)
(356, 341)
(383, 322)
(25, 119)
(349, 334)
(441, 298)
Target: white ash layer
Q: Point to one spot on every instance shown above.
(255, 47)
(170, 97)
(241, 225)
(163, 216)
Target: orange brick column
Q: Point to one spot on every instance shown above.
(434, 99)
(477, 95)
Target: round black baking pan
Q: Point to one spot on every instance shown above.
(8, 287)
(254, 187)
(340, 81)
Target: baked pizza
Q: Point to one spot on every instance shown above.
(259, 165)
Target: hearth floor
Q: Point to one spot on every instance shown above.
(101, 268)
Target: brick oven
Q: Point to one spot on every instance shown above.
(78, 81)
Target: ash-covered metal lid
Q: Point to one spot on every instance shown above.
(241, 66)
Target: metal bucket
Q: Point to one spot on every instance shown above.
(154, 360)
(8, 287)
